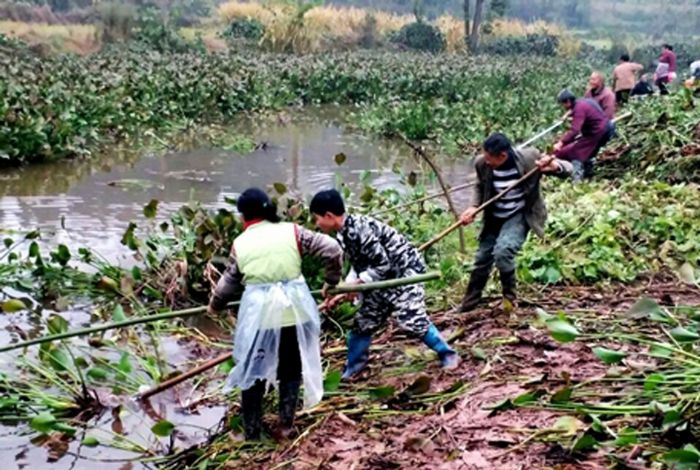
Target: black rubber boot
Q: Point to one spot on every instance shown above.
(251, 407)
(472, 297)
(289, 396)
(508, 286)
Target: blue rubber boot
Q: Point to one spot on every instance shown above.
(358, 354)
(449, 359)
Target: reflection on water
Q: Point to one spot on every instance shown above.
(299, 153)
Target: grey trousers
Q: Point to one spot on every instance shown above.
(500, 241)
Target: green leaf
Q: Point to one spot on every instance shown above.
(569, 424)
(502, 405)
(562, 331)
(128, 238)
(90, 441)
(64, 428)
(682, 459)
(150, 209)
(648, 308)
(340, 158)
(57, 324)
(585, 442)
(381, 393)
(527, 398)
(658, 350)
(281, 188)
(479, 353)
(61, 255)
(419, 386)
(58, 359)
(332, 381)
(163, 428)
(97, 373)
(124, 363)
(118, 314)
(562, 396)
(626, 437)
(609, 356)
(34, 250)
(671, 418)
(227, 366)
(43, 422)
(13, 305)
(653, 381)
(683, 335)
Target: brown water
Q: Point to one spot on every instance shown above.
(73, 203)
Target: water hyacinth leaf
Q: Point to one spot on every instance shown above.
(118, 314)
(57, 324)
(340, 158)
(124, 364)
(43, 422)
(281, 188)
(568, 424)
(150, 210)
(562, 330)
(609, 356)
(97, 373)
(671, 419)
(381, 393)
(653, 381)
(648, 308)
(128, 239)
(682, 459)
(502, 405)
(332, 381)
(13, 305)
(107, 284)
(683, 335)
(528, 397)
(64, 428)
(479, 353)
(61, 255)
(584, 443)
(686, 273)
(8, 242)
(561, 396)
(626, 437)
(90, 441)
(34, 250)
(227, 366)
(163, 428)
(58, 359)
(659, 350)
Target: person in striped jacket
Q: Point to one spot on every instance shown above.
(508, 220)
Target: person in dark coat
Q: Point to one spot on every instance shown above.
(595, 129)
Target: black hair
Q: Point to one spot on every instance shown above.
(625, 57)
(497, 143)
(566, 96)
(668, 46)
(326, 201)
(255, 204)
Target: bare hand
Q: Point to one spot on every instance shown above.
(468, 216)
(325, 290)
(548, 164)
(331, 302)
(558, 146)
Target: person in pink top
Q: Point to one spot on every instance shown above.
(601, 94)
(624, 77)
(666, 59)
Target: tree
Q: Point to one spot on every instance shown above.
(498, 8)
(467, 19)
(476, 25)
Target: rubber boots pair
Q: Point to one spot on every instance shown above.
(251, 404)
(449, 359)
(358, 354)
(477, 283)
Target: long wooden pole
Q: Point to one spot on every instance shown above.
(342, 289)
(495, 198)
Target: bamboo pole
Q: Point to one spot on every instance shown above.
(495, 198)
(342, 289)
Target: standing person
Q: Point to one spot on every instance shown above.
(624, 77)
(589, 120)
(666, 73)
(278, 327)
(378, 252)
(601, 94)
(508, 220)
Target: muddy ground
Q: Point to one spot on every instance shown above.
(502, 354)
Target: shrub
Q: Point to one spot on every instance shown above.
(420, 36)
(244, 28)
(535, 44)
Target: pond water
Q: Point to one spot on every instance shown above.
(73, 203)
(73, 199)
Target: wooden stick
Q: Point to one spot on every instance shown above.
(495, 198)
(185, 376)
(341, 289)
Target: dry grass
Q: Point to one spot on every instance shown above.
(453, 30)
(77, 38)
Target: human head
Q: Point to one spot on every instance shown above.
(597, 81)
(254, 204)
(625, 58)
(566, 99)
(496, 149)
(328, 210)
(667, 47)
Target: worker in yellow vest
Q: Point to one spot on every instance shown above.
(278, 326)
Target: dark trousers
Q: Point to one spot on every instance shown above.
(661, 84)
(289, 376)
(622, 96)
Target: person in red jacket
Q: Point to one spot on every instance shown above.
(595, 129)
(602, 95)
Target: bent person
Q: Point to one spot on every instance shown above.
(595, 130)
(507, 221)
(278, 326)
(624, 78)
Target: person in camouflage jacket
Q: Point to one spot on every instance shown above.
(378, 252)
